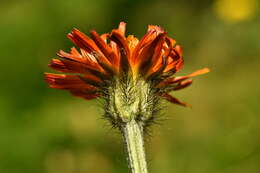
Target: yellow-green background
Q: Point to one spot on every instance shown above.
(44, 130)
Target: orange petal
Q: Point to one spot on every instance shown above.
(156, 28)
(122, 27)
(174, 100)
(92, 80)
(152, 33)
(74, 51)
(199, 72)
(105, 49)
(75, 67)
(157, 71)
(159, 64)
(87, 44)
(183, 85)
(116, 50)
(83, 58)
(83, 41)
(121, 42)
(147, 38)
(196, 73)
(68, 66)
(74, 56)
(84, 94)
(178, 49)
(150, 54)
(170, 42)
(173, 80)
(175, 61)
(179, 64)
(132, 42)
(61, 81)
(104, 37)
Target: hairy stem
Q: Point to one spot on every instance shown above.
(131, 104)
(133, 136)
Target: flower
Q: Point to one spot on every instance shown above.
(105, 58)
(131, 75)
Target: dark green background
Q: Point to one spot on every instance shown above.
(44, 130)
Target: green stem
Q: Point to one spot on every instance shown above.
(133, 135)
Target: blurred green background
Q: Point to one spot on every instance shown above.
(48, 131)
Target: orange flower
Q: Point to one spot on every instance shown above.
(101, 59)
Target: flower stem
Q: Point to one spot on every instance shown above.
(133, 136)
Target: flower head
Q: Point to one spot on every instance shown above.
(128, 73)
(102, 58)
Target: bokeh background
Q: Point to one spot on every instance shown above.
(47, 131)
